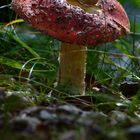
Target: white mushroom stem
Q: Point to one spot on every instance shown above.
(72, 69)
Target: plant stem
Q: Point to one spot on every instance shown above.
(72, 69)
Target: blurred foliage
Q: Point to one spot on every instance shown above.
(134, 2)
(28, 59)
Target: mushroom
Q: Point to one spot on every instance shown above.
(77, 24)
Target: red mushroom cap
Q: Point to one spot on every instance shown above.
(72, 24)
